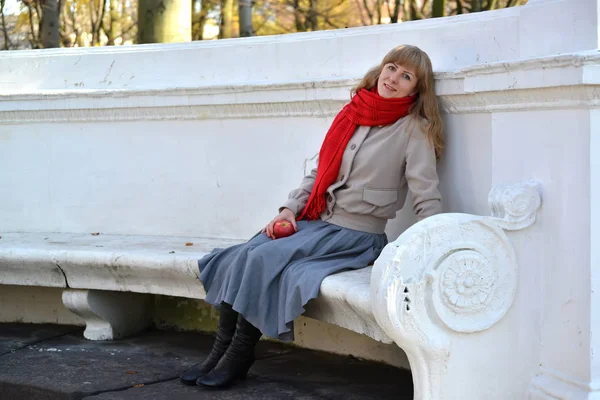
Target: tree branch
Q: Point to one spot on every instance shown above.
(74, 20)
(389, 9)
(422, 12)
(490, 5)
(127, 30)
(32, 36)
(368, 11)
(40, 17)
(328, 21)
(362, 17)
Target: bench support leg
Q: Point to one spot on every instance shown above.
(109, 315)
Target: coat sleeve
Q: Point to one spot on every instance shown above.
(298, 197)
(421, 176)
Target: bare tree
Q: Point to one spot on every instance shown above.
(394, 12)
(438, 8)
(226, 28)
(114, 26)
(97, 9)
(412, 11)
(111, 22)
(245, 12)
(6, 44)
(312, 15)
(34, 19)
(49, 31)
(198, 19)
(374, 13)
(164, 21)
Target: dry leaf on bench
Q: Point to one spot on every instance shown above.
(95, 233)
(189, 244)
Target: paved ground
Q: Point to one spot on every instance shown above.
(50, 362)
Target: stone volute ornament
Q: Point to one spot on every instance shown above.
(514, 207)
(450, 275)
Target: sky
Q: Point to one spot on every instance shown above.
(11, 7)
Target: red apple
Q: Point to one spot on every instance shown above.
(283, 228)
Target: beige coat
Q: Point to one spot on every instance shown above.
(378, 167)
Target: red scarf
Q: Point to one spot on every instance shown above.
(367, 108)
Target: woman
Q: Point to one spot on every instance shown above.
(381, 144)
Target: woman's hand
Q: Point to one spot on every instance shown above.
(286, 214)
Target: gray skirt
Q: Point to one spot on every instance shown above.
(270, 281)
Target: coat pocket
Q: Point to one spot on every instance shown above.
(380, 197)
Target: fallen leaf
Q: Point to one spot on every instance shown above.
(171, 252)
(131, 372)
(95, 233)
(138, 385)
(189, 244)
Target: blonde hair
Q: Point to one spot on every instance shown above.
(426, 107)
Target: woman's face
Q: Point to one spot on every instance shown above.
(396, 81)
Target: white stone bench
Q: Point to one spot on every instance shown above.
(100, 273)
(92, 141)
(444, 278)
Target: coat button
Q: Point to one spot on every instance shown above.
(352, 147)
(329, 198)
(328, 212)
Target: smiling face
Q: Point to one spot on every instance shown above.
(396, 81)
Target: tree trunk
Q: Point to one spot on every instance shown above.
(369, 13)
(93, 19)
(312, 16)
(164, 21)
(115, 22)
(245, 12)
(459, 7)
(475, 5)
(379, 5)
(79, 40)
(438, 9)
(4, 27)
(411, 10)
(394, 14)
(226, 19)
(300, 23)
(197, 20)
(97, 10)
(65, 39)
(50, 28)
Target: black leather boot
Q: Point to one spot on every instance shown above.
(237, 360)
(226, 329)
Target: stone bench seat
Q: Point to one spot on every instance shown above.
(110, 264)
(439, 291)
